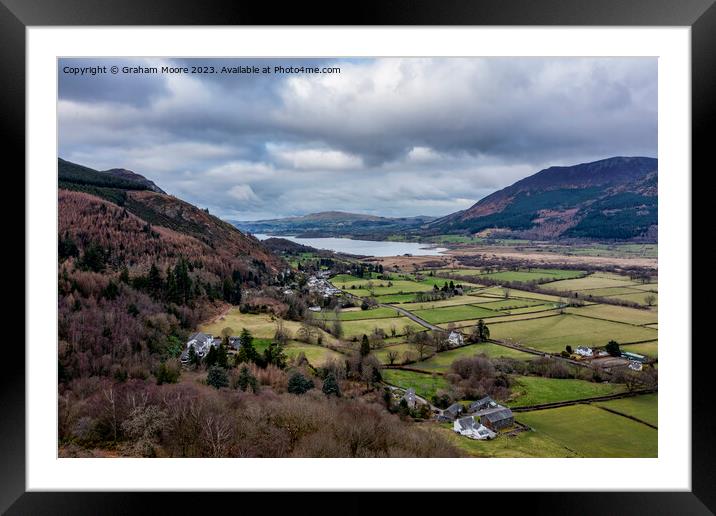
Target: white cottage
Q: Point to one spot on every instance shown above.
(469, 428)
(584, 351)
(455, 339)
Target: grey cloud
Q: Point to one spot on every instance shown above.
(386, 136)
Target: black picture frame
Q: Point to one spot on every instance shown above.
(17, 15)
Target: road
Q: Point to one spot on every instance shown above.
(413, 317)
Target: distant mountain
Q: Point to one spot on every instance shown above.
(334, 224)
(137, 224)
(128, 179)
(614, 198)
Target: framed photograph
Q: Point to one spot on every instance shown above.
(438, 249)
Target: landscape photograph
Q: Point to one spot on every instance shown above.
(357, 257)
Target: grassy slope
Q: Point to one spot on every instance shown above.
(593, 432)
(442, 361)
(641, 407)
(523, 445)
(425, 385)
(535, 390)
(552, 334)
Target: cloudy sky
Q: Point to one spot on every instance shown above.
(393, 137)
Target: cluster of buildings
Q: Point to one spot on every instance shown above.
(481, 420)
(636, 361)
(203, 342)
(320, 284)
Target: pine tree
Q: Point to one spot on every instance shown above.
(247, 352)
(275, 355)
(299, 384)
(192, 357)
(217, 377)
(330, 386)
(155, 282)
(222, 356)
(246, 380)
(211, 357)
(364, 346)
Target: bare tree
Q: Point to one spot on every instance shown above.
(421, 344)
(392, 357)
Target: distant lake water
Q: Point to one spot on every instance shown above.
(364, 247)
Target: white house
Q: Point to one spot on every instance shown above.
(635, 366)
(455, 339)
(466, 426)
(201, 342)
(584, 351)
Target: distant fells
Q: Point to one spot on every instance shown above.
(610, 199)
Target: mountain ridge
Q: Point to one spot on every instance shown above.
(613, 198)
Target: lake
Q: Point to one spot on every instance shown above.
(364, 247)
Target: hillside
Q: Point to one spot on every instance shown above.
(334, 223)
(614, 198)
(136, 225)
(116, 177)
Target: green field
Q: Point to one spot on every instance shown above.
(535, 390)
(359, 328)
(522, 445)
(499, 292)
(454, 313)
(442, 361)
(425, 385)
(396, 298)
(316, 355)
(552, 334)
(358, 315)
(453, 301)
(538, 275)
(617, 313)
(260, 325)
(593, 281)
(649, 349)
(641, 407)
(608, 292)
(637, 297)
(511, 304)
(382, 353)
(593, 432)
(502, 318)
(459, 272)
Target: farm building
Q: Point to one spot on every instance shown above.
(201, 342)
(455, 339)
(635, 357)
(482, 404)
(635, 366)
(469, 428)
(452, 412)
(498, 419)
(584, 351)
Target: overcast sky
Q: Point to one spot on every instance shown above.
(393, 137)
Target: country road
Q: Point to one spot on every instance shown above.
(413, 317)
(409, 315)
